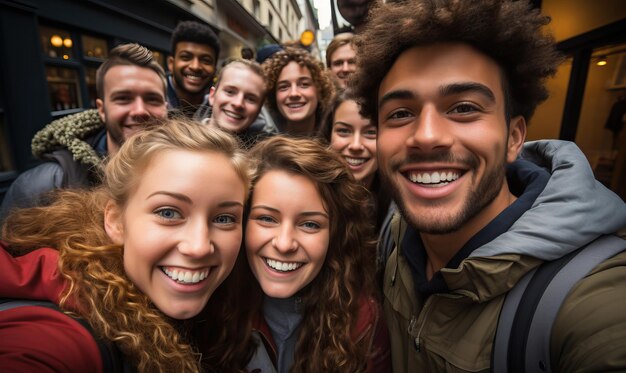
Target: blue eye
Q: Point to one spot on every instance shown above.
(168, 214)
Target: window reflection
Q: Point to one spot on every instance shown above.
(63, 88)
(95, 47)
(56, 43)
(160, 58)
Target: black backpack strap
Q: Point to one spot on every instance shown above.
(522, 341)
(112, 358)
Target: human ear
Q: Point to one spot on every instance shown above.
(212, 95)
(516, 138)
(170, 63)
(100, 107)
(113, 223)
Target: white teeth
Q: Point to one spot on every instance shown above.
(282, 266)
(355, 161)
(433, 177)
(295, 106)
(187, 277)
(232, 115)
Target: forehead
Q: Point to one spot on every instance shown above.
(196, 48)
(293, 70)
(434, 66)
(132, 77)
(237, 74)
(292, 190)
(346, 51)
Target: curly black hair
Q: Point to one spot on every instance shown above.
(509, 32)
(195, 32)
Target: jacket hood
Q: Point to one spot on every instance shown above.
(31, 276)
(572, 210)
(70, 132)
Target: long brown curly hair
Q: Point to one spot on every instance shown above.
(509, 32)
(98, 289)
(330, 303)
(324, 85)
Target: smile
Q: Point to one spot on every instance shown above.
(295, 106)
(356, 161)
(233, 115)
(432, 179)
(282, 266)
(183, 276)
(194, 77)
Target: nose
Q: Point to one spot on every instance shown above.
(196, 242)
(194, 64)
(355, 143)
(285, 241)
(294, 91)
(431, 131)
(345, 66)
(138, 108)
(238, 100)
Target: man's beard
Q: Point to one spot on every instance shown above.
(477, 200)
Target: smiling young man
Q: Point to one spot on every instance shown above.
(131, 97)
(237, 99)
(479, 208)
(192, 66)
(341, 58)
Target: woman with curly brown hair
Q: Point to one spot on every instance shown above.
(137, 259)
(311, 251)
(298, 91)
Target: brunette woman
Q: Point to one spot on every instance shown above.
(311, 249)
(137, 259)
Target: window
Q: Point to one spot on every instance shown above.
(95, 48)
(256, 9)
(270, 22)
(6, 162)
(63, 87)
(56, 43)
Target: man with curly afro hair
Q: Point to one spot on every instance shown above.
(450, 85)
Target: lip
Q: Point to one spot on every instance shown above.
(421, 191)
(359, 166)
(278, 274)
(189, 288)
(233, 116)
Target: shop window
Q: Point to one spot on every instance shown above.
(94, 47)
(63, 87)
(56, 43)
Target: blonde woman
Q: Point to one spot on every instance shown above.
(137, 259)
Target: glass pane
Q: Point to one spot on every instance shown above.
(63, 87)
(95, 47)
(90, 78)
(56, 43)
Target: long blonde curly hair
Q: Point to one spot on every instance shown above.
(98, 289)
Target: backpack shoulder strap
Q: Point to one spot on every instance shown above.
(522, 341)
(112, 358)
(538, 344)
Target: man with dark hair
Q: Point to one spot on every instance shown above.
(192, 65)
(131, 90)
(450, 85)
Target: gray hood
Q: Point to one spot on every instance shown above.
(572, 210)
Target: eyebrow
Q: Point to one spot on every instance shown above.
(343, 123)
(446, 90)
(457, 88)
(306, 213)
(184, 198)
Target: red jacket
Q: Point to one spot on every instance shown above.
(370, 329)
(40, 339)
